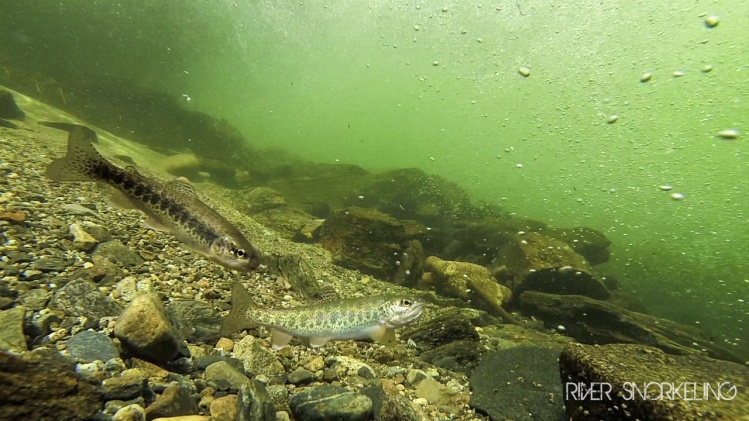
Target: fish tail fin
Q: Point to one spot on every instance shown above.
(82, 157)
(236, 320)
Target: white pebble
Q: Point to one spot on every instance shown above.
(665, 187)
(519, 165)
(612, 118)
(729, 133)
(677, 196)
(678, 73)
(707, 69)
(525, 71)
(712, 21)
(646, 77)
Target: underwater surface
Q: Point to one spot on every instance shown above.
(628, 118)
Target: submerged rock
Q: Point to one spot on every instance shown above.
(146, 331)
(8, 107)
(471, 283)
(11, 329)
(42, 385)
(597, 322)
(536, 262)
(175, 401)
(690, 387)
(254, 403)
(520, 383)
(83, 298)
(89, 346)
(330, 403)
(364, 239)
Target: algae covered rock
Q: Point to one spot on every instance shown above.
(640, 382)
(364, 239)
(146, 331)
(469, 282)
(536, 262)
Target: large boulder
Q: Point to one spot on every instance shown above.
(596, 322)
(535, 262)
(627, 382)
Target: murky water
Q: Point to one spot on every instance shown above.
(543, 107)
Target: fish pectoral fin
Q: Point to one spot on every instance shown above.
(380, 333)
(280, 339)
(388, 338)
(318, 341)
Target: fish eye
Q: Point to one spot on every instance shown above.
(240, 252)
(406, 302)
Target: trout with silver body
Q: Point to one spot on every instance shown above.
(354, 318)
(172, 206)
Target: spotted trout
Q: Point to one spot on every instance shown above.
(373, 318)
(172, 206)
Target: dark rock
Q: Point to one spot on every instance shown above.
(461, 356)
(145, 330)
(89, 346)
(397, 407)
(536, 262)
(262, 199)
(364, 239)
(520, 383)
(597, 323)
(16, 256)
(42, 385)
(451, 326)
(11, 329)
(175, 401)
(83, 298)
(310, 232)
(591, 244)
(411, 266)
(41, 324)
(123, 388)
(105, 272)
(366, 372)
(197, 321)
(330, 402)
(119, 253)
(300, 275)
(222, 370)
(254, 403)
(8, 124)
(204, 361)
(8, 107)
(301, 377)
(695, 387)
(50, 264)
(6, 303)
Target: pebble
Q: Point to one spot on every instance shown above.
(225, 344)
(145, 329)
(132, 412)
(665, 187)
(87, 346)
(175, 401)
(677, 196)
(712, 21)
(729, 134)
(224, 408)
(707, 68)
(330, 402)
(646, 77)
(524, 71)
(256, 358)
(81, 239)
(301, 377)
(678, 73)
(612, 119)
(222, 370)
(254, 403)
(83, 298)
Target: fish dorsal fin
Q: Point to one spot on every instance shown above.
(181, 186)
(280, 339)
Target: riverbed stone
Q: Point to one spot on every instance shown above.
(145, 330)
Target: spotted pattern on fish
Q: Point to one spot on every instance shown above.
(352, 318)
(173, 206)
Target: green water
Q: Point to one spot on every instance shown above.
(436, 85)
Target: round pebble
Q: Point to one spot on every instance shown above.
(678, 73)
(665, 187)
(707, 68)
(417, 27)
(525, 71)
(435, 63)
(677, 196)
(712, 21)
(646, 77)
(612, 119)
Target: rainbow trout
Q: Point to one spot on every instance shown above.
(353, 318)
(172, 206)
